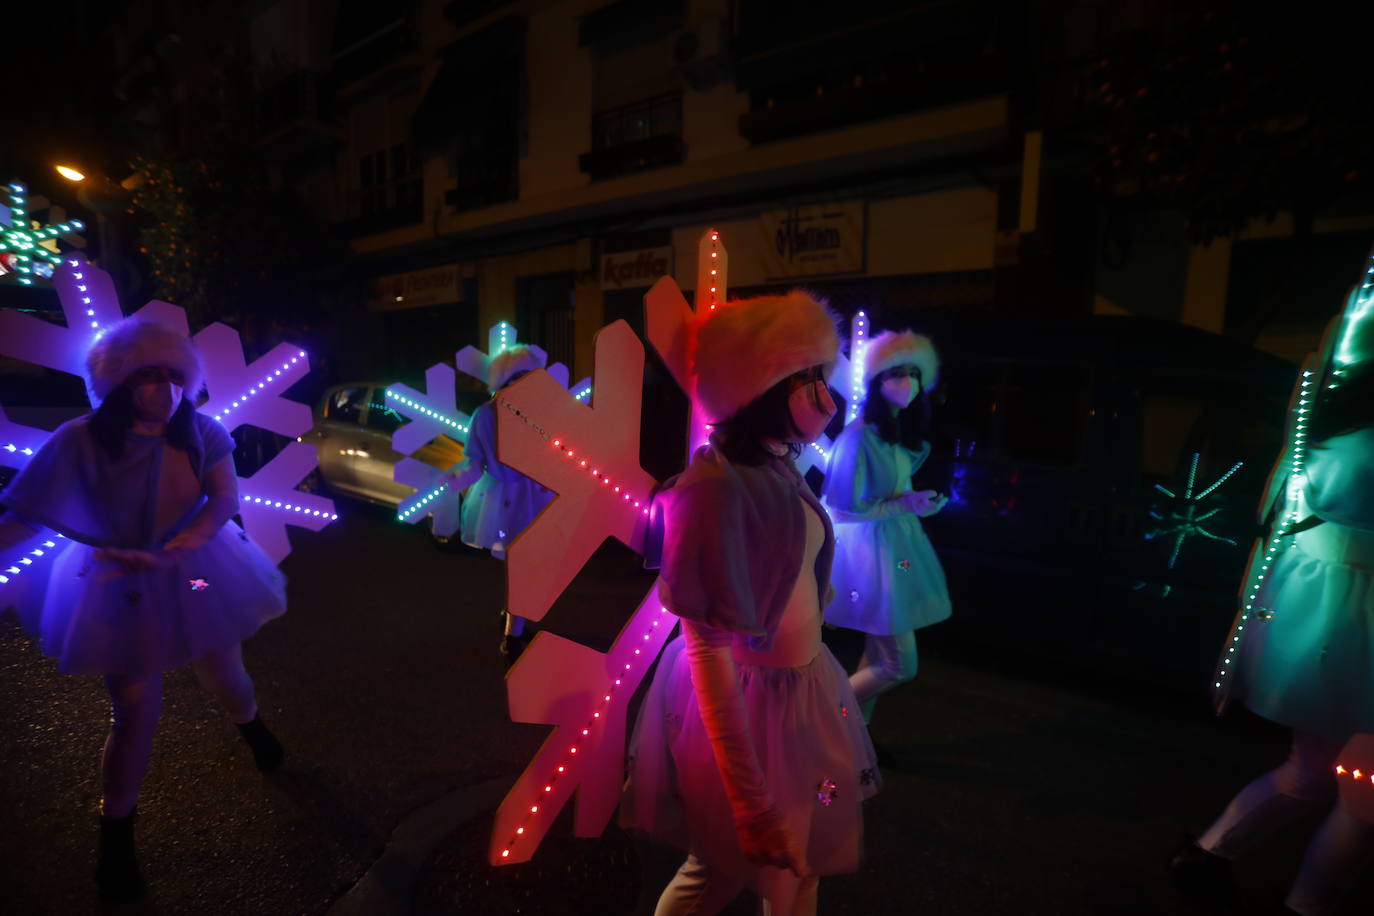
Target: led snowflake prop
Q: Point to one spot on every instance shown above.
(1183, 516)
(25, 250)
(239, 394)
(589, 457)
(436, 413)
(1282, 493)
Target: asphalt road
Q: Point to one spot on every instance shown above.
(1013, 793)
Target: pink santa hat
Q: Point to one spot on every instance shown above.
(898, 348)
(136, 343)
(519, 358)
(744, 348)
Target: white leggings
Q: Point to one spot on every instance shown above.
(1304, 783)
(887, 662)
(697, 890)
(136, 703)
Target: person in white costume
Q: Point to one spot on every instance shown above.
(1308, 662)
(154, 575)
(888, 581)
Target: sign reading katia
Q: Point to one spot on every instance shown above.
(813, 240)
(432, 286)
(632, 269)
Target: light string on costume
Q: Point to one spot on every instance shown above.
(269, 503)
(596, 473)
(29, 558)
(858, 343)
(1358, 312)
(242, 399)
(428, 411)
(1274, 547)
(24, 249)
(570, 755)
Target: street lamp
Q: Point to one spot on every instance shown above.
(107, 199)
(70, 173)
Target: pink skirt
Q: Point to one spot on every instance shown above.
(152, 621)
(811, 742)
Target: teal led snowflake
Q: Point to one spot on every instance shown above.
(24, 248)
(1182, 517)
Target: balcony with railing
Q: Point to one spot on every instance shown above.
(636, 137)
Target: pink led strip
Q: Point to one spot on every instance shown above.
(604, 478)
(566, 761)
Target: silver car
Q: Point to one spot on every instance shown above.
(352, 438)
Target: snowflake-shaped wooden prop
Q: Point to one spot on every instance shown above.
(435, 412)
(240, 394)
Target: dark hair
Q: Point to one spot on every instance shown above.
(114, 418)
(769, 416)
(1348, 406)
(909, 427)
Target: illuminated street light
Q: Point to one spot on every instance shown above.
(70, 173)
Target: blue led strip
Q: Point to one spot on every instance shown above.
(30, 557)
(415, 505)
(420, 409)
(269, 503)
(271, 377)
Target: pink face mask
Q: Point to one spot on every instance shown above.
(810, 420)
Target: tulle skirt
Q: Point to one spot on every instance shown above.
(1308, 658)
(495, 512)
(811, 742)
(146, 622)
(887, 577)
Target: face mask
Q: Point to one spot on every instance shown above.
(810, 420)
(155, 402)
(900, 391)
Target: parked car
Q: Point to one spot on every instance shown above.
(352, 437)
(1081, 528)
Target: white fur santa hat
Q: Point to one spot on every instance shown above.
(519, 358)
(744, 348)
(898, 348)
(134, 344)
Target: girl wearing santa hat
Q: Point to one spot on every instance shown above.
(500, 501)
(749, 750)
(888, 581)
(154, 574)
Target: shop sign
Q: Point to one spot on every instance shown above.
(813, 240)
(415, 288)
(633, 269)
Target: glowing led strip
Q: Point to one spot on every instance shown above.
(12, 448)
(506, 333)
(713, 272)
(1364, 304)
(27, 560)
(270, 503)
(430, 412)
(824, 454)
(584, 393)
(1354, 774)
(81, 288)
(424, 501)
(1273, 549)
(568, 757)
(858, 343)
(243, 398)
(596, 473)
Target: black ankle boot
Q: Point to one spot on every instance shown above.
(1204, 876)
(267, 750)
(116, 871)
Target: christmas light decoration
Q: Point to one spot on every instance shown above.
(27, 250)
(43, 545)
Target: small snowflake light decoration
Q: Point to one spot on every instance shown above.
(435, 412)
(1182, 517)
(25, 250)
(240, 393)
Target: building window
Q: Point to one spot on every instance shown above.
(632, 138)
(628, 24)
(390, 188)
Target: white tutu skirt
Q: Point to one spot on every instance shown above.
(887, 577)
(152, 621)
(1308, 658)
(495, 512)
(811, 742)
